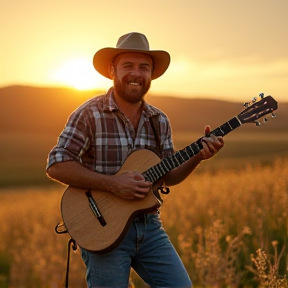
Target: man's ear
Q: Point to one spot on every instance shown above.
(111, 70)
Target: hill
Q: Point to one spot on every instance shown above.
(31, 119)
(35, 109)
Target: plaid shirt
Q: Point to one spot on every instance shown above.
(100, 137)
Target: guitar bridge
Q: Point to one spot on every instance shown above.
(95, 209)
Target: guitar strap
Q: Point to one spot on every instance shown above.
(154, 121)
(61, 229)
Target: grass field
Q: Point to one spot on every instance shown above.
(217, 218)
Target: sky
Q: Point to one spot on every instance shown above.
(225, 49)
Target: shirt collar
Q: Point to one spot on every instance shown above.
(109, 103)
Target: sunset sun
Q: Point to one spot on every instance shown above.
(77, 73)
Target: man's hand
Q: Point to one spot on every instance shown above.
(129, 185)
(211, 144)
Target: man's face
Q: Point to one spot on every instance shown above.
(132, 76)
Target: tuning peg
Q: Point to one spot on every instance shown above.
(265, 120)
(273, 115)
(246, 104)
(261, 95)
(257, 123)
(254, 100)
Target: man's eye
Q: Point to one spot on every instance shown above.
(127, 66)
(145, 68)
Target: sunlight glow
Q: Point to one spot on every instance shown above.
(77, 73)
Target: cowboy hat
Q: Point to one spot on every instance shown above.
(131, 42)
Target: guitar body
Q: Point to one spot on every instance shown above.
(84, 227)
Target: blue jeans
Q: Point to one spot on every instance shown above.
(147, 249)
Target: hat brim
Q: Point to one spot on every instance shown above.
(104, 57)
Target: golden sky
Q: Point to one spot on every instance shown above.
(226, 49)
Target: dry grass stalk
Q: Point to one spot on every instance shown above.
(215, 267)
(266, 271)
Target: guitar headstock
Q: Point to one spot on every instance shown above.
(257, 109)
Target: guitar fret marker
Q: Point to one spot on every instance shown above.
(238, 120)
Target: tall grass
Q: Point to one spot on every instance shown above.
(218, 221)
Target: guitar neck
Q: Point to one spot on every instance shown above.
(156, 172)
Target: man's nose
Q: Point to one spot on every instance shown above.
(136, 71)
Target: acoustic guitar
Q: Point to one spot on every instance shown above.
(99, 220)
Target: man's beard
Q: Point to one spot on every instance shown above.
(128, 93)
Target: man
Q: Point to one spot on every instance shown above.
(95, 142)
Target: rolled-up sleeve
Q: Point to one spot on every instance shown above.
(74, 140)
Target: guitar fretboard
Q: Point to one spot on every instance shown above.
(156, 172)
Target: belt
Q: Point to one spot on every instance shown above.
(143, 217)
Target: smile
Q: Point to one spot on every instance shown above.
(134, 83)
